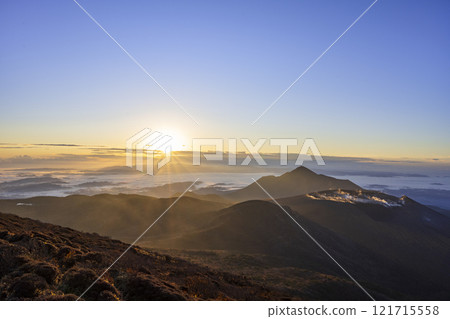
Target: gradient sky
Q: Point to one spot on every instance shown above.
(382, 90)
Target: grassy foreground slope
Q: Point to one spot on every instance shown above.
(40, 261)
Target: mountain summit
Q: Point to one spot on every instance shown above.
(300, 181)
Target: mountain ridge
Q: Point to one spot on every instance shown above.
(296, 182)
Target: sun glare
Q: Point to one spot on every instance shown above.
(178, 142)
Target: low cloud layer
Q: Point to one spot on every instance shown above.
(33, 184)
(103, 170)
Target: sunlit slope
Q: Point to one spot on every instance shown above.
(122, 216)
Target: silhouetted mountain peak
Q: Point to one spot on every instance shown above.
(302, 170)
(299, 181)
(299, 172)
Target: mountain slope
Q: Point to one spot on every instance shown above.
(402, 248)
(46, 262)
(396, 229)
(297, 182)
(121, 216)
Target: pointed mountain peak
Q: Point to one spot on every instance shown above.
(301, 170)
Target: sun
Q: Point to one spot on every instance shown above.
(178, 141)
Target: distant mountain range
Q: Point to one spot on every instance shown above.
(396, 247)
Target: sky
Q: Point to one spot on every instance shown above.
(380, 91)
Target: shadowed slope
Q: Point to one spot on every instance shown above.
(381, 245)
(46, 262)
(407, 233)
(297, 182)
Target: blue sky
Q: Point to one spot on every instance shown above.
(382, 90)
